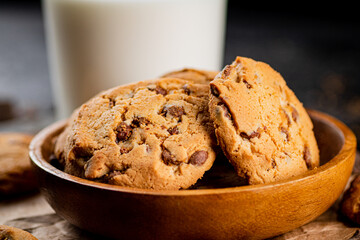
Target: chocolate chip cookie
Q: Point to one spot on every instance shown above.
(350, 203)
(16, 175)
(11, 233)
(193, 75)
(261, 126)
(154, 134)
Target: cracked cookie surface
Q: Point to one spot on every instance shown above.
(153, 134)
(261, 126)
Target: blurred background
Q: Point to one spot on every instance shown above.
(316, 49)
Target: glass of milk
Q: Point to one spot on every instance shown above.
(94, 45)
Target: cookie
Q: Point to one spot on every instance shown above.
(16, 175)
(154, 135)
(11, 233)
(261, 126)
(350, 202)
(193, 75)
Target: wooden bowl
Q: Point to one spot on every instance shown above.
(250, 212)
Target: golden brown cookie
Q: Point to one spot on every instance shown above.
(11, 233)
(350, 203)
(261, 126)
(193, 75)
(155, 134)
(16, 175)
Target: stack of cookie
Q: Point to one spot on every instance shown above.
(166, 133)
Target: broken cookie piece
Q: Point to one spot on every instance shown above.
(261, 126)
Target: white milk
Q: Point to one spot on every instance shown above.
(97, 44)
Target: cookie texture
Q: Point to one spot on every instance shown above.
(154, 134)
(11, 233)
(193, 75)
(16, 175)
(261, 126)
(350, 203)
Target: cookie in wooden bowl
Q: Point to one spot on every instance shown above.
(150, 135)
(261, 126)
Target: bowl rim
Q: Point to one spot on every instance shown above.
(349, 145)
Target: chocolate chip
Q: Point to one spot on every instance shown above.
(124, 131)
(248, 85)
(286, 132)
(175, 111)
(173, 130)
(124, 150)
(273, 163)
(294, 114)
(226, 110)
(198, 158)
(227, 70)
(186, 89)
(160, 90)
(244, 135)
(214, 91)
(168, 158)
(112, 103)
(252, 135)
(307, 157)
(137, 121)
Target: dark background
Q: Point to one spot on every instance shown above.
(315, 48)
